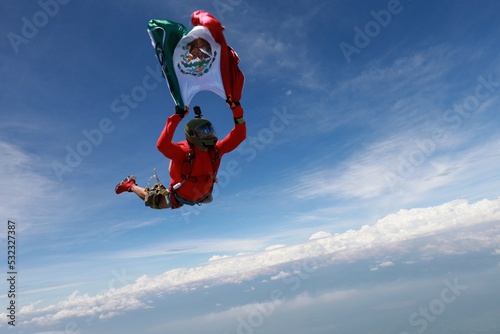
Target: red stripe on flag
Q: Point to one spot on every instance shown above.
(232, 78)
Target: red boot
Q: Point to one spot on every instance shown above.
(126, 184)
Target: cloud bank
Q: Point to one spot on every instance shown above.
(456, 227)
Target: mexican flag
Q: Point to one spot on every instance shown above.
(196, 60)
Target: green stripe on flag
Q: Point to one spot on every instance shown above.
(165, 35)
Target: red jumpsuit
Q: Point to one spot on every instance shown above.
(200, 182)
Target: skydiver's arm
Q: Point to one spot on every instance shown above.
(237, 134)
(165, 145)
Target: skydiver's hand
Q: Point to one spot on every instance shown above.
(232, 104)
(237, 110)
(181, 112)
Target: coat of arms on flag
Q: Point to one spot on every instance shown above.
(197, 58)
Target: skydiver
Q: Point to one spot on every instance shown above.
(194, 161)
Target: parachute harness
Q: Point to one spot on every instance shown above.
(155, 175)
(153, 194)
(186, 170)
(187, 165)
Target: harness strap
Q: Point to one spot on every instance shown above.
(187, 165)
(187, 168)
(175, 204)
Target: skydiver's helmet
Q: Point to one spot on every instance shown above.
(199, 131)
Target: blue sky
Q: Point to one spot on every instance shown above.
(364, 200)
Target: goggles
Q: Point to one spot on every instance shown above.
(205, 131)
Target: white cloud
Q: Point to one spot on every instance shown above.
(382, 265)
(197, 246)
(401, 106)
(420, 68)
(390, 168)
(280, 275)
(275, 53)
(217, 257)
(57, 287)
(27, 190)
(385, 305)
(386, 264)
(319, 235)
(370, 241)
(269, 248)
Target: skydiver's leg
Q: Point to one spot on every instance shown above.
(139, 191)
(151, 197)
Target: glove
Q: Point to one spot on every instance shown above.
(231, 103)
(237, 110)
(181, 112)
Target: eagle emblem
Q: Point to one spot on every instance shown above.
(197, 58)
